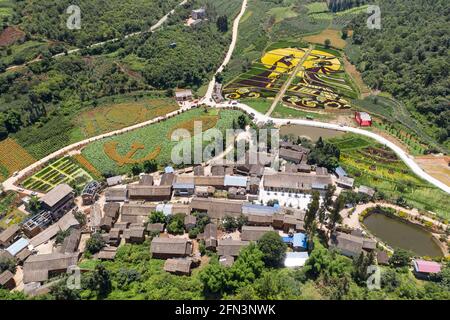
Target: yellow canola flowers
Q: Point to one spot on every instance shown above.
(287, 59)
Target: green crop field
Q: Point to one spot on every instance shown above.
(316, 7)
(63, 170)
(373, 165)
(149, 142)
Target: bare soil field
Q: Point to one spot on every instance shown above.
(333, 35)
(11, 35)
(437, 166)
(351, 70)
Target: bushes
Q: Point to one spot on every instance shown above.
(95, 243)
(175, 224)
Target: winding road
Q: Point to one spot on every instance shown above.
(10, 184)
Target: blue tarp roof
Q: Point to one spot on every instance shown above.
(300, 241)
(288, 239)
(18, 246)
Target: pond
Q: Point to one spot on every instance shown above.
(398, 234)
(311, 133)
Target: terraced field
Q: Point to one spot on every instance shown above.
(373, 165)
(12, 158)
(115, 155)
(322, 84)
(64, 170)
(116, 116)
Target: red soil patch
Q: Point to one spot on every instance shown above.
(11, 35)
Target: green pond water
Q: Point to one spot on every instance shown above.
(398, 234)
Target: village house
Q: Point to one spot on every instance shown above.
(71, 242)
(134, 234)
(107, 253)
(106, 223)
(217, 208)
(425, 269)
(90, 192)
(155, 227)
(40, 268)
(149, 193)
(350, 245)
(363, 119)
(189, 222)
(178, 266)
(345, 182)
(146, 179)
(364, 190)
(199, 171)
(252, 233)
(198, 14)
(296, 182)
(95, 217)
(114, 237)
(114, 181)
(7, 280)
(210, 181)
(65, 223)
(58, 201)
(291, 155)
(136, 212)
(183, 95)
(35, 224)
(167, 179)
(15, 248)
(9, 235)
(183, 189)
(210, 236)
(165, 248)
(111, 210)
(230, 247)
(237, 193)
(204, 192)
(253, 185)
(116, 194)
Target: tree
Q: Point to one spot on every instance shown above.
(175, 224)
(157, 217)
(61, 291)
(242, 121)
(328, 199)
(311, 213)
(7, 264)
(95, 243)
(327, 43)
(136, 169)
(150, 166)
(335, 215)
(34, 205)
(222, 23)
(80, 217)
(214, 278)
(61, 235)
(230, 224)
(273, 249)
(400, 258)
(98, 281)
